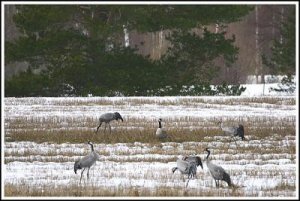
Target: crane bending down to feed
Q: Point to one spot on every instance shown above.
(86, 162)
(160, 132)
(217, 172)
(107, 118)
(233, 131)
(188, 165)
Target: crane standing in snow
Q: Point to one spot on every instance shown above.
(188, 165)
(217, 172)
(233, 131)
(86, 162)
(107, 118)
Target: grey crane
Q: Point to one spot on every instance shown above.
(217, 172)
(233, 131)
(188, 165)
(160, 132)
(107, 118)
(86, 162)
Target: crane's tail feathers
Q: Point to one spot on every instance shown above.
(76, 166)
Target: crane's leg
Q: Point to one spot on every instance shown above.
(182, 177)
(229, 141)
(88, 173)
(81, 174)
(194, 173)
(216, 183)
(187, 183)
(109, 128)
(105, 127)
(98, 127)
(234, 139)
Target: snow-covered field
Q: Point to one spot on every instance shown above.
(38, 164)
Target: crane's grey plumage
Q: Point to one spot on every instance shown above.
(232, 131)
(86, 162)
(195, 159)
(107, 118)
(217, 172)
(160, 132)
(188, 165)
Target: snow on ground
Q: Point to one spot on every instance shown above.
(255, 174)
(148, 166)
(263, 90)
(58, 109)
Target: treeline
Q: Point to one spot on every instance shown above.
(79, 49)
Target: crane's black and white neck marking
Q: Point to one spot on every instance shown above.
(208, 152)
(160, 132)
(92, 146)
(159, 123)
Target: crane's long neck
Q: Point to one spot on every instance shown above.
(92, 147)
(159, 124)
(208, 153)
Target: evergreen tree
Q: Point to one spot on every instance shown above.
(82, 46)
(283, 60)
(283, 57)
(191, 58)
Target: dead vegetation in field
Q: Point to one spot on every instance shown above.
(269, 140)
(93, 191)
(175, 101)
(74, 190)
(145, 135)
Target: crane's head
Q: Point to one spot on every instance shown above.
(159, 120)
(118, 116)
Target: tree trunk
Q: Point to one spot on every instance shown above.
(160, 43)
(258, 62)
(126, 36)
